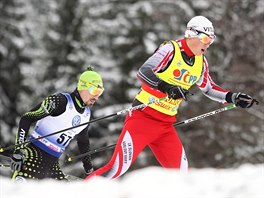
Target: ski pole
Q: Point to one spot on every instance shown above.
(69, 159)
(95, 120)
(231, 106)
(4, 165)
(176, 124)
(5, 158)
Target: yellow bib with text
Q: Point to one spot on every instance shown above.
(178, 73)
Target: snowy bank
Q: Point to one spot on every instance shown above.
(153, 182)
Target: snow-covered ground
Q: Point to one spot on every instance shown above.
(153, 182)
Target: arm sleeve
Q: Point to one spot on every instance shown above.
(157, 62)
(83, 143)
(209, 88)
(53, 105)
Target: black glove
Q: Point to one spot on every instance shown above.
(174, 92)
(87, 165)
(18, 159)
(88, 172)
(241, 99)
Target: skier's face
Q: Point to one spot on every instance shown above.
(91, 95)
(197, 47)
(87, 98)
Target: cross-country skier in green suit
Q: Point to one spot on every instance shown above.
(39, 159)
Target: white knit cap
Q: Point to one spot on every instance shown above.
(201, 24)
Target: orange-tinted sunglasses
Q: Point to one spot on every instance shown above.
(94, 90)
(205, 38)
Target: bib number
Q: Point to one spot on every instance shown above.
(64, 139)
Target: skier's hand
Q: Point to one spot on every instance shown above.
(177, 93)
(88, 167)
(17, 159)
(174, 92)
(88, 172)
(243, 100)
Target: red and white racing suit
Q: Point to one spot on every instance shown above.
(153, 125)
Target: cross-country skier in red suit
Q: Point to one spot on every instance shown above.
(169, 72)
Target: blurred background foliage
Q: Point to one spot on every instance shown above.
(45, 45)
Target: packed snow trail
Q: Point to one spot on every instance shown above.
(153, 182)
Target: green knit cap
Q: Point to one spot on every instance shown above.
(89, 76)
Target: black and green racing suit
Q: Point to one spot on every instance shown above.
(39, 163)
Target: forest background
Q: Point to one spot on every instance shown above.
(45, 45)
